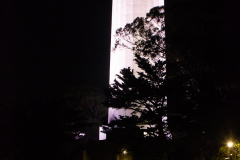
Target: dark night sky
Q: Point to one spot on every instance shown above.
(50, 45)
(47, 46)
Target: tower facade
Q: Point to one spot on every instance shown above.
(123, 12)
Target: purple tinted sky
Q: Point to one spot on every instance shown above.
(50, 45)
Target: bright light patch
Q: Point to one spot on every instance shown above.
(124, 152)
(230, 144)
(123, 12)
(78, 135)
(102, 136)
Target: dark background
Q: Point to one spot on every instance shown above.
(48, 46)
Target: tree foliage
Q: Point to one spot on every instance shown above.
(198, 84)
(143, 92)
(202, 84)
(226, 152)
(145, 36)
(89, 101)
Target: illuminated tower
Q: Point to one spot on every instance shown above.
(123, 12)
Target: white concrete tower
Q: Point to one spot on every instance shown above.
(123, 12)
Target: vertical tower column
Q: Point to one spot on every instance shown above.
(123, 12)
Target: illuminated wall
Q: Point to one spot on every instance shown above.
(123, 12)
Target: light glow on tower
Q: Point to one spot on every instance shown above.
(123, 12)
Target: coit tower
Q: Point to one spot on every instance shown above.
(123, 12)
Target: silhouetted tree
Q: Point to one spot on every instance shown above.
(197, 83)
(144, 92)
(196, 59)
(88, 102)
